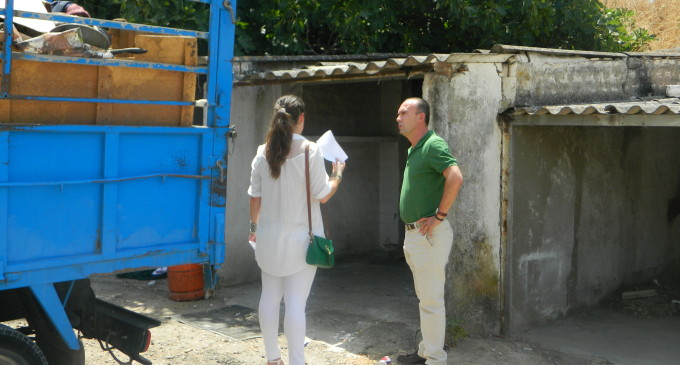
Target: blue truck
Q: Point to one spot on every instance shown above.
(82, 198)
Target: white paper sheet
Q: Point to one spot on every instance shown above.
(330, 148)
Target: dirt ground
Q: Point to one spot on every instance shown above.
(357, 313)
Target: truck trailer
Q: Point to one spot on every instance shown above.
(108, 163)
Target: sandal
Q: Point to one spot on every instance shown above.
(276, 362)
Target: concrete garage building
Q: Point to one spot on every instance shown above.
(571, 162)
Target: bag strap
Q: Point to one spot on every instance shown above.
(309, 205)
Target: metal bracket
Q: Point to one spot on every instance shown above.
(232, 134)
(49, 300)
(227, 5)
(220, 165)
(231, 139)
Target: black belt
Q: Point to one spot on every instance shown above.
(410, 226)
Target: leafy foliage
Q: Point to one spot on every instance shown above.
(616, 24)
(299, 27)
(183, 14)
(101, 9)
(165, 13)
(426, 26)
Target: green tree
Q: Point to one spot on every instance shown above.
(306, 27)
(288, 27)
(101, 9)
(184, 14)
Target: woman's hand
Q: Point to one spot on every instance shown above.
(252, 237)
(335, 179)
(338, 167)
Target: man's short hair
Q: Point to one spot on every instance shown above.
(423, 107)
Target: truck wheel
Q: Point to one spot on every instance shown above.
(17, 349)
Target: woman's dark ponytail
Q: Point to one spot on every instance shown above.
(287, 111)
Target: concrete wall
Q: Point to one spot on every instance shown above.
(552, 80)
(464, 112)
(588, 214)
(539, 79)
(363, 217)
(250, 112)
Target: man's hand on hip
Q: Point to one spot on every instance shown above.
(426, 225)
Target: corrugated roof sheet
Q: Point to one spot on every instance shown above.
(655, 107)
(310, 68)
(324, 69)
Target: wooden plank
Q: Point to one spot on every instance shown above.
(121, 38)
(5, 111)
(83, 81)
(189, 88)
(638, 294)
(166, 49)
(52, 79)
(104, 84)
(156, 84)
(145, 85)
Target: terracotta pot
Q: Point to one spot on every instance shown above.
(185, 282)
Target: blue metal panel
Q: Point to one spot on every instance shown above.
(39, 216)
(4, 168)
(174, 201)
(88, 199)
(110, 194)
(220, 77)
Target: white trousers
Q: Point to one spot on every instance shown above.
(294, 289)
(427, 257)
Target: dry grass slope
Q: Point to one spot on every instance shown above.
(659, 17)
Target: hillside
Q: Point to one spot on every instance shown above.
(659, 17)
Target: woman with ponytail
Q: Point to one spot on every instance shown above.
(279, 226)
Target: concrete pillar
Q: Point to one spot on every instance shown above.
(465, 108)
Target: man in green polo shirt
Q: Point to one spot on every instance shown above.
(431, 183)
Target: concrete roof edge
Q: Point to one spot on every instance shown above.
(510, 49)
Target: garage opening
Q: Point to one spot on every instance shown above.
(363, 218)
(593, 211)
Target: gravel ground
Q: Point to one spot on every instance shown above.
(351, 331)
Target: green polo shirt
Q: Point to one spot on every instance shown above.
(423, 185)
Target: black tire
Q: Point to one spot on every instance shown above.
(17, 349)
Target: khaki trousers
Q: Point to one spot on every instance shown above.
(427, 257)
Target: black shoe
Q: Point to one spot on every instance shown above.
(411, 359)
